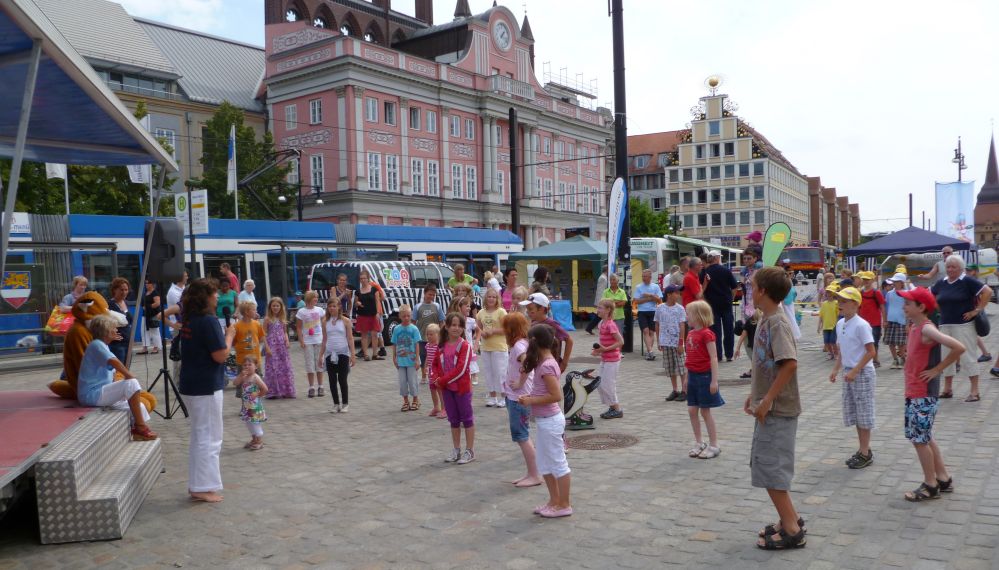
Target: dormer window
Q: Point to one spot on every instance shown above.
(641, 161)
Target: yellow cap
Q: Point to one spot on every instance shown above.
(850, 294)
(900, 268)
(833, 287)
(866, 275)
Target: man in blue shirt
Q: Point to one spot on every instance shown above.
(648, 295)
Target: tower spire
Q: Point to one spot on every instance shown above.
(990, 190)
(461, 10)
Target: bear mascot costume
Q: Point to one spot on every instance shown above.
(86, 307)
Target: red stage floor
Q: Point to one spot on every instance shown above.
(29, 421)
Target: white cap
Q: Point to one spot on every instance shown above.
(714, 253)
(537, 298)
(897, 277)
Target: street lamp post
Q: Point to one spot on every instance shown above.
(298, 198)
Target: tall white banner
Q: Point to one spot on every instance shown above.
(615, 222)
(54, 170)
(956, 210)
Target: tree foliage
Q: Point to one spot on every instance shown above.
(260, 201)
(645, 222)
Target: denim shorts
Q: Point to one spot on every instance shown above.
(519, 415)
(699, 391)
(829, 336)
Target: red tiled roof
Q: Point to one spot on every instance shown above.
(652, 145)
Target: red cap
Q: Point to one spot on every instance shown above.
(921, 295)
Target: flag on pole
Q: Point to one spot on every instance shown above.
(230, 185)
(139, 173)
(55, 170)
(615, 222)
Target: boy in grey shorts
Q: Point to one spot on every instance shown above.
(773, 400)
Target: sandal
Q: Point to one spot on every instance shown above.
(405, 407)
(972, 398)
(697, 449)
(746, 375)
(946, 486)
(415, 406)
(709, 453)
(772, 528)
(945, 395)
(786, 541)
(923, 493)
(256, 446)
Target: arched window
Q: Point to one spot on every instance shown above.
(345, 30)
(320, 22)
(369, 37)
(292, 15)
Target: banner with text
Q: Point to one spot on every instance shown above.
(956, 210)
(195, 213)
(615, 222)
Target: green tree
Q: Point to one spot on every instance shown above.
(92, 189)
(645, 222)
(261, 198)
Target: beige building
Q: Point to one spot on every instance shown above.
(725, 180)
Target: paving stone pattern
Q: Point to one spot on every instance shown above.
(369, 489)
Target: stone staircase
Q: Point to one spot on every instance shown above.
(91, 484)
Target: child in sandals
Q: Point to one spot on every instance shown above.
(922, 389)
(702, 378)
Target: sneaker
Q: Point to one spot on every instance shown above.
(312, 392)
(649, 356)
(612, 414)
(143, 434)
(490, 402)
(454, 456)
(672, 396)
(381, 352)
(320, 392)
(467, 456)
(985, 358)
(894, 364)
(863, 461)
(994, 371)
(853, 458)
(682, 397)
(336, 409)
(500, 402)
(343, 409)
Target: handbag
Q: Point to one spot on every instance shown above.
(175, 348)
(59, 322)
(982, 325)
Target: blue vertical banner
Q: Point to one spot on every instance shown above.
(956, 210)
(615, 222)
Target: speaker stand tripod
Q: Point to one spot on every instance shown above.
(168, 385)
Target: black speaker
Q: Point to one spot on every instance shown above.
(166, 254)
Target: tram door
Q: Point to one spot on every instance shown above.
(237, 262)
(258, 272)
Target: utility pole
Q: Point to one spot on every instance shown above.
(514, 175)
(621, 160)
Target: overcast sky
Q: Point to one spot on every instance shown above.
(870, 95)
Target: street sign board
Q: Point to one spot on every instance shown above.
(197, 210)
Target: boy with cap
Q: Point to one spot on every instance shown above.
(872, 308)
(538, 305)
(922, 388)
(895, 320)
(856, 350)
(828, 317)
(671, 329)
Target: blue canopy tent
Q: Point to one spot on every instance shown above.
(911, 240)
(56, 109)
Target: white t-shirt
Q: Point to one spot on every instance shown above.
(494, 283)
(312, 322)
(173, 298)
(853, 336)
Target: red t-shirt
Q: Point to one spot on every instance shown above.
(698, 359)
(691, 287)
(870, 307)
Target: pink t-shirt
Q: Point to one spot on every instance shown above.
(547, 368)
(513, 372)
(607, 330)
(507, 297)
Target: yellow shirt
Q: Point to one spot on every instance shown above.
(249, 336)
(829, 313)
(486, 319)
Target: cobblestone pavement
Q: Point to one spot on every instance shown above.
(369, 489)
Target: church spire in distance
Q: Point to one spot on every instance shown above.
(990, 190)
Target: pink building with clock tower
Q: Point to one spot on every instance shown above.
(403, 122)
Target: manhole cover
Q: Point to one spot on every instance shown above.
(734, 382)
(602, 441)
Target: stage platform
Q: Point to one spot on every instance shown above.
(31, 422)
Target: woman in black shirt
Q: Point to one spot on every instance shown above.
(201, 381)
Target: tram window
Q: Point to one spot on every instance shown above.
(446, 272)
(97, 269)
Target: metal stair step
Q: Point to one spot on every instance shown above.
(86, 451)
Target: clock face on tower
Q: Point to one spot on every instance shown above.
(502, 36)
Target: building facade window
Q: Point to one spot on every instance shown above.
(431, 121)
(640, 161)
(657, 204)
(758, 192)
(371, 110)
(389, 113)
(702, 196)
(714, 128)
(688, 174)
(744, 193)
(758, 214)
(293, 172)
(595, 202)
(716, 196)
(699, 151)
(536, 143)
(729, 171)
(572, 197)
(470, 129)
(744, 218)
(374, 171)
(499, 135)
(744, 169)
(729, 218)
(548, 146)
(715, 172)
(500, 182)
(688, 197)
(414, 118)
(674, 198)
(433, 179)
(730, 194)
(572, 153)
(702, 220)
(729, 149)
(416, 174)
(471, 184)
(391, 173)
(456, 181)
(455, 126)
(674, 175)
(688, 220)
(548, 194)
(716, 220)
(702, 173)
(757, 169)
(291, 117)
(559, 150)
(561, 196)
(316, 171)
(169, 137)
(315, 111)
(715, 150)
